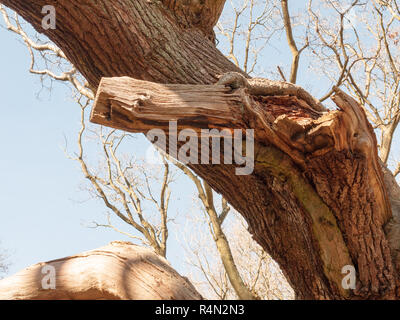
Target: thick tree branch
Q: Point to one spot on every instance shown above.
(118, 271)
(311, 140)
(315, 201)
(198, 14)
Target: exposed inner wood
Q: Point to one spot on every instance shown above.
(117, 271)
(323, 168)
(307, 164)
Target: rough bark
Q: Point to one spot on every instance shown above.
(316, 200)
(392, 228)
(118, 271)
(328, 180)
(141, 39)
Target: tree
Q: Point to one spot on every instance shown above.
(216, 220)
(125, 185)
(258, 272)
(100, 274)
(317, 199)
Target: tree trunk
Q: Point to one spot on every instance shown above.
(118, 271)
(316, 200)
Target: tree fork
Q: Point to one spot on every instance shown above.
(101, 274)
(298, 152)
(342, 138)
(161, 41)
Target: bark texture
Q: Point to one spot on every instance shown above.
(316, 200)
(118, 271)
(141, 39)
(320, 169)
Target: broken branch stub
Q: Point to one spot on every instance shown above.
(327, 163)
(117, 271)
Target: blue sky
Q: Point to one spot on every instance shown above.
(42, 215)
